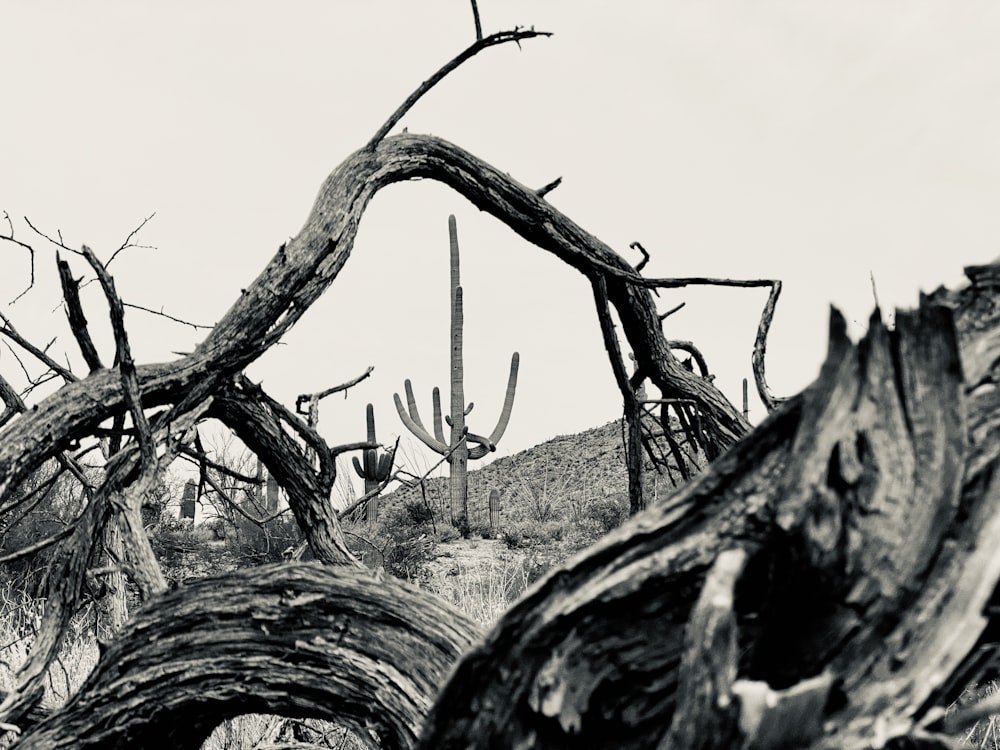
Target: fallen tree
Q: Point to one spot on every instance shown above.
(827, 582)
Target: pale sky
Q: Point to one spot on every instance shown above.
(817, 143)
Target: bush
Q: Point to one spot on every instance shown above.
(607, 512)
(402, 541)
(482, 529)
(188, 551)
(526, 534)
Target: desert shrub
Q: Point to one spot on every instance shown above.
(254, 544)
(482, 529)
(607, 512)
(188, 551)
(402, 542)
(446, 533)
(528, 534)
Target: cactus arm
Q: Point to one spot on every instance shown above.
(370, 422)
(415, 425)
(484, 446)
(438, 429)
(384, 467)
(357, 467)
(508, 401)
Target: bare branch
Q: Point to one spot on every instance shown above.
(196, 326)
(475, 17)
(690, 348)
(307, 397)
(501, 37)
(874, 289)
(13, 404)
(546, 189)
(227, 498)
(645, 256)
(77, 318)
(202, 459)
(128, 240)
(760, 346)
(671, 311)
(123, 358)
(31, 253)
(57, 242)
(631, 404)
(10, 332)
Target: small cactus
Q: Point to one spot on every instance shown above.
(188, 501)
(495, 511)
(376, 467)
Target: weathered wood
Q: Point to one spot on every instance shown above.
(306, 266)
(303, 640)
(847, 503)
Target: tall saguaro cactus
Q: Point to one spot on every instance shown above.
(375, 468)
(457, 447)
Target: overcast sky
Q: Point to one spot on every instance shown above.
(815, 143)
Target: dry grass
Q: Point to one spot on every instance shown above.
(267, 732)
(983, 734)
(19, 619)
(482, 589)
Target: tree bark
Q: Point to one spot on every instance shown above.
(299, 639)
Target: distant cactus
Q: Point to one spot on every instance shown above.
(495, 511)
(376, 467)
(188, 501)
(457, 448)
(271, 494)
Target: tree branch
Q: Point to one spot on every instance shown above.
(303, 623)
(77, 318)
(501, 37)
(31, 254)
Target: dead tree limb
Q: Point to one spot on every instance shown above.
(481, 43)
(257, 421)
(315, 398)
(297, 276)
(302, 640)
(31, 256)
(631, 402)
(77, 319)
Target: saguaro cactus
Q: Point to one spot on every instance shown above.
(375, 468)
(457, 448)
